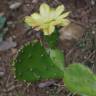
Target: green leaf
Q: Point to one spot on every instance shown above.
(34, 63)
(80, 79)
(2, 21)
(52, 40)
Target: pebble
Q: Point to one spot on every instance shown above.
(46, 84)
(9, 22)
(72, 31)
(34, 1)
(8, 44)
(93, 32)
(93, 2)
(2, 72)
(15, 5)
(2, 13)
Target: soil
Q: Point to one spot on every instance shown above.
(83, 12)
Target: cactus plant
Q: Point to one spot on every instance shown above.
(34, 63)
(80, 79)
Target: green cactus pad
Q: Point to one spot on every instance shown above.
(80, 79)
(34, 63)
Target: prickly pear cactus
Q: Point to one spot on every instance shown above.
(80, 79)
(34, 63)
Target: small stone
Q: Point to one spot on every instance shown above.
(14, 37)
(46, 84)
(93, 32)
(9, 23)
(93, 2)
(15, 5)
(1, 13)
(34, 1)
(1, 73)
(8, 44)
(71, 32)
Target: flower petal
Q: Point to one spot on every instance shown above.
(52, 14)
(44, 10)
(64, 15)
(37, 19)
(35, 16)
(31, 22)
(49, 30)
(65, 22)
(28, 20)
(57, 22)
(34, 20)
(59, 10)
(48, 18)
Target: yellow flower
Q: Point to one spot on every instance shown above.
(48, 18)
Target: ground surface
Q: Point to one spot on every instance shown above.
(83, 12)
